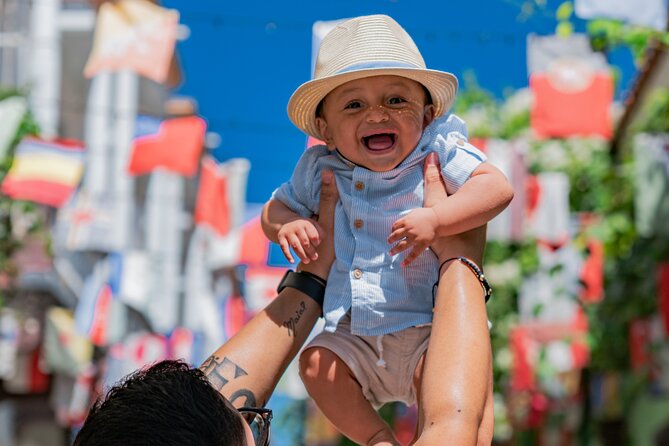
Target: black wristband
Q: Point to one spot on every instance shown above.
(487, 289)
(306, 282)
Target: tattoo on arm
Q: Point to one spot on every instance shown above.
(221, 371)
(291, 322)
(247, 395)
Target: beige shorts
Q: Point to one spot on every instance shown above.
(400, 353)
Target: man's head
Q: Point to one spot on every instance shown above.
(375, 122)
(169, 403)
(365, 47)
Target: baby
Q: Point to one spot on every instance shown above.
(380, 111)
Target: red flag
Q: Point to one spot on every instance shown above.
(592, 274)
(176, 147)
(558, 112)
(522, 375)
(639, 340)
(663, 292)
(212, 206)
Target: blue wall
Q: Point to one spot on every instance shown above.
(243, 60)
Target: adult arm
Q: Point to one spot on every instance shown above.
(248, 366)
(456, 391)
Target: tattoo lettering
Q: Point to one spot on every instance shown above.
(249, 398)
(221, 371)
(291, 323)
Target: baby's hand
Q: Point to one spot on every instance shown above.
(416, 230)
(303, 235)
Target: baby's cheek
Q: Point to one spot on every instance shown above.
(410, 116)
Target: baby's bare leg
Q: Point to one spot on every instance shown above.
(338, 395)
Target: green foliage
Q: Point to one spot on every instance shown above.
(654, 116)
(486, 117)
(598, 186)
(608, 34)
(8, 242)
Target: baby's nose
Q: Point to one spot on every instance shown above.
(377, 113)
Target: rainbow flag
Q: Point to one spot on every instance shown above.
(46, 172)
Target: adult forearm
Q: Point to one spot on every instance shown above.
(248, 366)
(458, 362)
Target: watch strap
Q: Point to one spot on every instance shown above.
(308, 283)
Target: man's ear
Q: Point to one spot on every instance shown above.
(428, 115)
(324, 130)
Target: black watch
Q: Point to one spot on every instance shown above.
(308, 283)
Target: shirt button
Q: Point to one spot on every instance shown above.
(358, 223)
(357, 273)
(359, 185)
(460, 142)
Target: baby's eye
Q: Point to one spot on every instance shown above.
(353, 104)
(396, 100)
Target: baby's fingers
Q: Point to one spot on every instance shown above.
(311, 241)
(399, 247)
(397, 234)
(295, 242)
(417, 250)
(285, 248)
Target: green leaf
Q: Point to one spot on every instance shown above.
(564, 29)
(564, 11)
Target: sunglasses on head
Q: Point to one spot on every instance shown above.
(259, 421)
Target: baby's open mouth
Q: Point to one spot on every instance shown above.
(380, 141)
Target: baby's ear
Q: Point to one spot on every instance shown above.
(428, 115)
(324, 130)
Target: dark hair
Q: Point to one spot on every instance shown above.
(169, 403)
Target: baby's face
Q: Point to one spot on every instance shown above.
(375, 122)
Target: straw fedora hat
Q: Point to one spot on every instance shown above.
(366, 46)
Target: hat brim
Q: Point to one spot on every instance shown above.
(302, 105)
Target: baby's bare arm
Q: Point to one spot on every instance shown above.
(285, 227)
(479, 200)
(275, 214)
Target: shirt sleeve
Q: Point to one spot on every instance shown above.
(447, 136)
(301, 192)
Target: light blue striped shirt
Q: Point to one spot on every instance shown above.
(383, 296)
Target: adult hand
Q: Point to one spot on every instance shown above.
(469, 244)
(325, 218)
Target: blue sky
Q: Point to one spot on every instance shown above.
(243, 60)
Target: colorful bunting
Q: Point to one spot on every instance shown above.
(572, 87)
(549, 219)
(100, 316)
(65, 350)
(136, 35)
(562, 109)
(592, 274)
(212, 208)
(176, 146)
(46, 172)
(663, 293)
